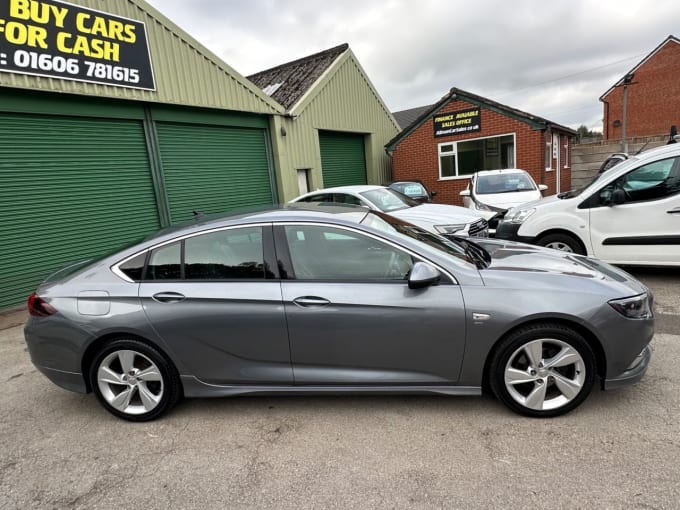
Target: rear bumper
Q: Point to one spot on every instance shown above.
(68, 380)
(632, 375)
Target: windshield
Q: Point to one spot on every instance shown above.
(504, 183)
(388, 200)
(457, 249)
(411, 189)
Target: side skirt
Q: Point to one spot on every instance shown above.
(195, 388)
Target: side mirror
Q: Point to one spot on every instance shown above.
(423, 275)
(433, 194)
(465, 193)
(618, 196)
(542, 187)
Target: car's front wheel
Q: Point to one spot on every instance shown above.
(134, 381)
(561, 242)
(542, 370)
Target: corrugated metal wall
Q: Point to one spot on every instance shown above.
(346, 102)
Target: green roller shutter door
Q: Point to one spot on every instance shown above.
(213, 169)
(71, 188)
(343, 161)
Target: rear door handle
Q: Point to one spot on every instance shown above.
(674, 211)
(311, 301)
(168, 297)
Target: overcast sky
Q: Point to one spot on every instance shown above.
(552, 59)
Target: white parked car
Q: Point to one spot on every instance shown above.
(630, 214)
(437, 218)
(492, 192)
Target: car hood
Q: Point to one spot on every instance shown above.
(540, 202)
(508, 200)
(509, 258)
(436, 214)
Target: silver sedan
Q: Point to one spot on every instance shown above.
(329, 299)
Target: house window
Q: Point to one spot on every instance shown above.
(461, 159)
(566, 156)
(447, 160)
(548, 155)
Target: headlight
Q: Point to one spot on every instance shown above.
(636, 307)
(482, 207)
(448, 229)
(518, 216)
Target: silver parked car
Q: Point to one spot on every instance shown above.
(443, 219)
(326, 299)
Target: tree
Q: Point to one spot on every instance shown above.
(583, 132)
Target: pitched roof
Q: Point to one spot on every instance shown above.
(288, 82)
(455, 93)
(406, 117)
(667, 40)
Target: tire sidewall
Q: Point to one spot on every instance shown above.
(171, 385)
(546, 331)
(562, 238)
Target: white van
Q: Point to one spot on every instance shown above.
(630, 214)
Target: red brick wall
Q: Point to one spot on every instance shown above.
(653, 103)
(416, 156)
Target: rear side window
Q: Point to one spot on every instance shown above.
(165, 263)
(225, 255)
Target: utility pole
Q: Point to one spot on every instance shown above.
(627, 80)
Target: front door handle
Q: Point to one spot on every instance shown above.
(310, 301)
(168, 297)
(674, 211)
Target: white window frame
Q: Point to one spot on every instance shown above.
(455, 154)
(548, 150)
(566, 155)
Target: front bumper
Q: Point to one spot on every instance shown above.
(509, 232)
(632, 375)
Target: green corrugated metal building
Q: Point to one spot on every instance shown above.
(116, 123)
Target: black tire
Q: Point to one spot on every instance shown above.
(158, 380)
(514, 354)
(562, 242)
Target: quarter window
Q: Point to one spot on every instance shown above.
(328, 253)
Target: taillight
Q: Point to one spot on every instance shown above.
(38, 307)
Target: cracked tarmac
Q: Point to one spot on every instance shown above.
(620, 449)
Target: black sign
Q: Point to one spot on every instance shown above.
(62, 40)
(457, 123)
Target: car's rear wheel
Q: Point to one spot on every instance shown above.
(542, 370)
(134, 381)
(561, 242)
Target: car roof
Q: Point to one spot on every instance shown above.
(342, 213)
(502, 171)
(357, 188)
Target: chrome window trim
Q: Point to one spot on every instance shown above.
(115, 268)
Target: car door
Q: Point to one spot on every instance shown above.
(215, 299)
(646, 226)
(352, 318)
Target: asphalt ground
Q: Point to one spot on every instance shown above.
(620, 449)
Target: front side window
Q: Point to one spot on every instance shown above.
(654, 181)
(329, 253)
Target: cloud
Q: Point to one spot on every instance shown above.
(553, 60)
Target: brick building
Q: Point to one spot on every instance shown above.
(444, 143)
(652, 91)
